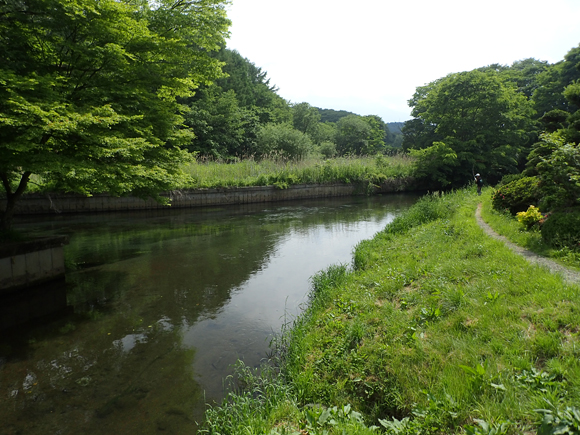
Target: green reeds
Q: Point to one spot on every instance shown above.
(276, 171)
(507, 225)
(436, 328)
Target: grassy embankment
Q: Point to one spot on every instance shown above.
(282, 173)
(436, 328)
(365, 172)
(507, 226)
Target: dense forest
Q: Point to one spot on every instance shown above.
(487, 120)
(496, 120)
(120, 97)
(241, 115)
(116, 97)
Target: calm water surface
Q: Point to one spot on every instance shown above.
(163, 303)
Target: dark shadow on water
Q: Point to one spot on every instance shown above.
(164, 302)
(33, 306)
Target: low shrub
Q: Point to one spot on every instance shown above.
(517, 195)
(509, 178)
(251, 172)
(284, 140)
(562, 229)
(530, 217)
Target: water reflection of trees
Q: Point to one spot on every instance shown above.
(135, 281)
(187, 263)
(92, 380)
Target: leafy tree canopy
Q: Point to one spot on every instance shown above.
(379, 131)
(283, 140)
(331, 115)
(361, 135)
(524, 74)
(252, 87)
(305, 118)
(222, 128)
(477, 114)
(88, 91)
(352, 135)
(551, 84)
(559, 98)
(227, 115)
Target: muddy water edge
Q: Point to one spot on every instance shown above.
(161, 304)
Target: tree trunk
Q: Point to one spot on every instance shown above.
(11, 198)
(7, 214)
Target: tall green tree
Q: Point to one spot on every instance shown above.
(525, 74)
(252, 87)
(89, 89)
(360, 135)
(325, 132)
(557, 165)
(549, 94)
(283, 140)
(571, 128)
(559, 98)
(222, 128)
(478, 115)
(352, 135)
(305, 118)
(377, 136)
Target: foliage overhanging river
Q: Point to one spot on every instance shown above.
(164, 304)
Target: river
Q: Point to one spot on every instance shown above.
(161, 304)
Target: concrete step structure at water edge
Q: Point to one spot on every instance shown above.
(30, 263)
(73, 203)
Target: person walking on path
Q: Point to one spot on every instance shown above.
(478, 183)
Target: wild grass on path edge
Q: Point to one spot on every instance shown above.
(436, 329)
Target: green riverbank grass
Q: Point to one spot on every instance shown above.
(280, 172)
(436, 328)
(283, 173)
(508, 226)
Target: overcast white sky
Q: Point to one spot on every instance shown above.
(368, 56)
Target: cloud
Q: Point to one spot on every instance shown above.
(369, 56)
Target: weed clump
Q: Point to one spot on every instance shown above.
(332, 277)
(530, 217)
(427, 209)
(436, 329)
(562, 229)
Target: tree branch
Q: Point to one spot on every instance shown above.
(6, 183)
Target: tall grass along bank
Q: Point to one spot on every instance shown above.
(280, 172)
(507, 225)
(435, 328)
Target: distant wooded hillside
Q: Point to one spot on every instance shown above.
(395, 127)
(331, 115)
(393, 134)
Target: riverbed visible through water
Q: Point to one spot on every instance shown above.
(161, 304)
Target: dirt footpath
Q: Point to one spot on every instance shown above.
(569, 275)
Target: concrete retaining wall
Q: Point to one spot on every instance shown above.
(72, 203)
(25, 264)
